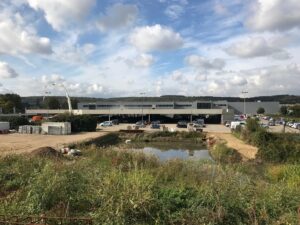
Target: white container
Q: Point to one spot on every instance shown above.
(4, 126)
(56, 128)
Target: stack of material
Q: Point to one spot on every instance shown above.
(4, 127)
(27, 129)
(56, 128)
(36, 129)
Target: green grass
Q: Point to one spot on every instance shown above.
(119, 187)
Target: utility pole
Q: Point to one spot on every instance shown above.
(67, 95)
(244, 93)
(142, 94)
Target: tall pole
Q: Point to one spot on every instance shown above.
(143, 94)
(67, 96)
(244, 93)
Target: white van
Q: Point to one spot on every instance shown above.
(234, 124)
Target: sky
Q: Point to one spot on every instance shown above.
(109, 48)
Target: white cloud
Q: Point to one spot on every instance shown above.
(238, 80)
(19, 39)
(6, 71)
(53, 78)
(174, 11)
(177, 75)
(255, 47)
(275, 15)
(60, 13)
(202, 63)
(155, 38)
(139, 61)
(144, 60)
(118, 16)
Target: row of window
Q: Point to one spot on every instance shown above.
(176, 106)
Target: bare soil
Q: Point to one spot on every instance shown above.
(24, 143)
(247, 151)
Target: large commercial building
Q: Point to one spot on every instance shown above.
(211, 111)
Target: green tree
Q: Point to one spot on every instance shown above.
(74, 103)
(295, 110)
(10, 101)
(260, 110)
(283, 110)
(52, 103)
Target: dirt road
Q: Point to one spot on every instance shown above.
(22, 143)
(246, 150)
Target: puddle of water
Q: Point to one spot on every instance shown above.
(167, 151)
(164, 155)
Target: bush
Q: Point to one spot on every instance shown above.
(260, 110)
(15, 121)
(79, 123)
(224, 154)
(252, 125)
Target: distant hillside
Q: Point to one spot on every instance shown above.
(37, 101)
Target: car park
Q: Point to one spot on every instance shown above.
(199, 122)
(295, 125)
(155, 125)
(234, 124)
(115, 122)
(106, 124)
(140, 124)
(182, 124)
(263, 125)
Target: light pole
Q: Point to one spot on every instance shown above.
(244, 93)
(67, 95)
(143, 94)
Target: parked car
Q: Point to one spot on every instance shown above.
(155, 121)
(199, 122)
(263, 125)
(140, 124)
(106, 124)
(295, 125)
(234, 124)
(271, 123)
(182, 124)
(115, 122)
(155, 125)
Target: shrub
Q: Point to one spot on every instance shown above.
(252, 125)
(260, 110)
(57, 187)
(79, 123)
(15, 121)
(224, 154)
(125, 198)
(277, 148)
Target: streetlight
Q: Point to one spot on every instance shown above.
(67, 95)
(143, 94)
(244, 93)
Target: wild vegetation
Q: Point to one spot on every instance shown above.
(15, 121)
(165, 136)
(79, 123)
(114, 186)
(272, 147)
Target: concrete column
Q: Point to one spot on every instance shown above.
(149, 118)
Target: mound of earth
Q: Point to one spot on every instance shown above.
(46, 152)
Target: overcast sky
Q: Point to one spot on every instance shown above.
(107, 48)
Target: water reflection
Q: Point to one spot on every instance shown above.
(168, 154)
